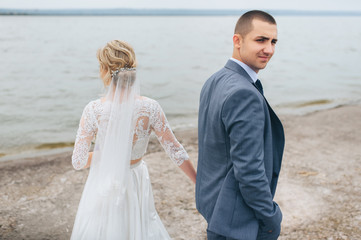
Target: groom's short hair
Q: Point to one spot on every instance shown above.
(244, 23)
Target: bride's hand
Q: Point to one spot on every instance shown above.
(90, 156)
(188, 169)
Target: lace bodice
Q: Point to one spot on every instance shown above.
(149, 117)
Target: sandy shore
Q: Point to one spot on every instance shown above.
(319, 189)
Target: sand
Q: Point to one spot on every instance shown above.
(319, 188)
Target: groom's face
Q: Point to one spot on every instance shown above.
(257, 47)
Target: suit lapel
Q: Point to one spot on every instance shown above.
(231, 65)
(277, 128)
(238, 69)
(278, 139)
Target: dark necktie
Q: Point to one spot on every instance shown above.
(259, 86)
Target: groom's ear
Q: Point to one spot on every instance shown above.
(237, 38)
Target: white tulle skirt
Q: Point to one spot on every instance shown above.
(135, 219)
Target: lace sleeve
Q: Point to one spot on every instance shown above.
(84, 136)
(166, 137)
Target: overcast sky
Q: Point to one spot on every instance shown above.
(343, 5)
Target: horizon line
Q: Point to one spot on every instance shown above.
(165, 12)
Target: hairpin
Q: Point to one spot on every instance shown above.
(122, 70)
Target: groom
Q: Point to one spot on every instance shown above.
(241, 140)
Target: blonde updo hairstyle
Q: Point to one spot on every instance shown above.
(113, 56)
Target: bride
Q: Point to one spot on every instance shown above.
(117, 201)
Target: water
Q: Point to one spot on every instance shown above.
(49, 72)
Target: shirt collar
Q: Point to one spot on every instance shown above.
(249, 70)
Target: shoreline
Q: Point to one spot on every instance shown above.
(318, 188)
(51, 148)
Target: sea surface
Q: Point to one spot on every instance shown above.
(49, 70)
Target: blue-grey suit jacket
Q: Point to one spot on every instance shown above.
(241, 142)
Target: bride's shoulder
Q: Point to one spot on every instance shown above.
(96, 102)
(148, 103)
(147, 100)
(94, 105)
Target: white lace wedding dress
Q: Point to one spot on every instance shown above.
(136, 218)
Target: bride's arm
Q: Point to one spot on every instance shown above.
(81, 157)
(170, 143)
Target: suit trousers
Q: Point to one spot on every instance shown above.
(215, 236)
(260, 236)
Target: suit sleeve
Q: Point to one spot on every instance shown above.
(244, 119)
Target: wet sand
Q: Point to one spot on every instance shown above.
(319, 189)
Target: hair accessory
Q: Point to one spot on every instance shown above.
(122, 70)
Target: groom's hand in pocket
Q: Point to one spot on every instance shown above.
(270, 228)
(268, 235)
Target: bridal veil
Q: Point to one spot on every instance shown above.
(103, 205)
